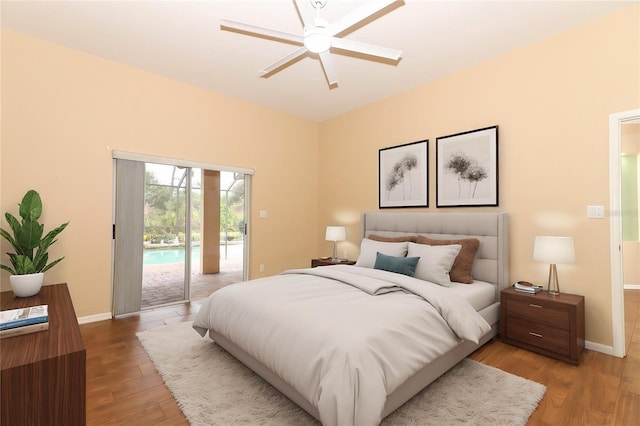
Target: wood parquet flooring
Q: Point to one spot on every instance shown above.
(123, 387)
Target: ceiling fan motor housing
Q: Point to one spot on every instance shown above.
(317, 39)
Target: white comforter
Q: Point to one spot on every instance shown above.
(345, 342)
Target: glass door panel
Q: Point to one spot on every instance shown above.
(192, 217)
(165, 218)
(232, 225)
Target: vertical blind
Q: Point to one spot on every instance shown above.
(129, 234)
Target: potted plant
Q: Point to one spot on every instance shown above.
(29, 262)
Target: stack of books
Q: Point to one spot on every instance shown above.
(527, 287)
(15, 322)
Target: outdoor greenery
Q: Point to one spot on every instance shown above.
(31, 248)
(164, 211)
(164, 219)
(232, 213)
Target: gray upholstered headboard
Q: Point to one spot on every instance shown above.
(492, 259)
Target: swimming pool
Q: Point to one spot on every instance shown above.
(161, 256)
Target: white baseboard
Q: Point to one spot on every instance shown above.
(632, 286)
(94, 318)
(598, 347)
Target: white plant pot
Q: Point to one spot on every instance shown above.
(26, 285)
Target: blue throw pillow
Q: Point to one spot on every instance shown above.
(400, 265)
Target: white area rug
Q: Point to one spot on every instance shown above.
(212, 388)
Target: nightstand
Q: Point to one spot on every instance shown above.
(548, 325)
(329, 262)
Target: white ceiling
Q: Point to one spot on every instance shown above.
(182, 40)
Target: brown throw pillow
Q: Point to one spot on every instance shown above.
(401, 239)
(461, 269)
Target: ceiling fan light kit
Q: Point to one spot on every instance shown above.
(319, 36)
(317, 39)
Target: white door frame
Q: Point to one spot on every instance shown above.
(617, 285)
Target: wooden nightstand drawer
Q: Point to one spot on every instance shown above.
(539, 312)
(548, 338)
(549, 325)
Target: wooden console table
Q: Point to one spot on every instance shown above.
(44, 373)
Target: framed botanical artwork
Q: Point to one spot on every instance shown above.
(403, 172)
(467, 169)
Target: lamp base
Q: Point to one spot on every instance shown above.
(553, 286)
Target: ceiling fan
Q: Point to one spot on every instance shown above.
(319, 36)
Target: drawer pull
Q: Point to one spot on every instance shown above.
(535, 334)
(535, 306)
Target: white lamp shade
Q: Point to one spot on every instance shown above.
(554, 250)
(335, 233)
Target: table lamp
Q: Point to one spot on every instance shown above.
(553, 250)
(335, 234)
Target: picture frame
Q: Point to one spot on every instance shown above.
(403, 175)
(467, 169)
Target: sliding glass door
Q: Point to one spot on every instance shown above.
(170, 195)
(179, 233)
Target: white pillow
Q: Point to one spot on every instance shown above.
(369, 249)
(435, 262)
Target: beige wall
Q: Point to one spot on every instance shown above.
(630, 138)
(63, 112)
(551, 101)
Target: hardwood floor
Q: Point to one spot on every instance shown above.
(602, 390)
(123, 387)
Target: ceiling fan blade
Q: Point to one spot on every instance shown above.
(363, 12)
(329, 70)
(261, 31)
(284, 61)
(366, 49)
(306, 12)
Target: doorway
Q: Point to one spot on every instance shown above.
(193, 233)
(172, 201)
(172, 232)
(630, 157)
(616, 126)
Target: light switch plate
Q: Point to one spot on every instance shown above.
(595, 212)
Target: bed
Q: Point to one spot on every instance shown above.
(334, 347)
